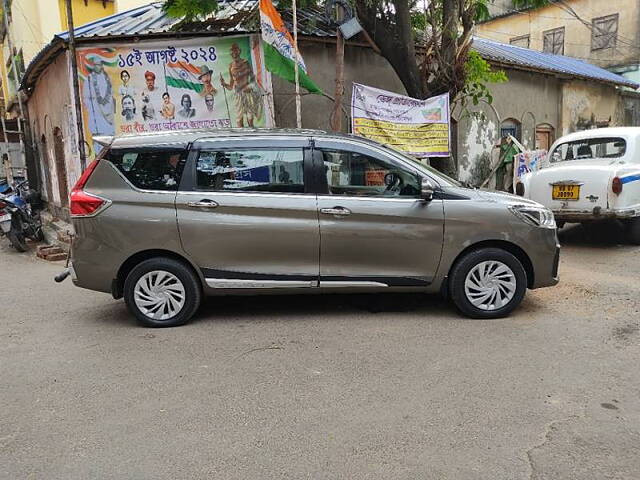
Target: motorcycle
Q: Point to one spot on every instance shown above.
(19, 216)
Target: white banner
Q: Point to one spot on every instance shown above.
(418, 127)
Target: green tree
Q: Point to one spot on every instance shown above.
(426, 42)
(190, 10)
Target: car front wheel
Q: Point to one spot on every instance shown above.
(487, 283)
(162, 292)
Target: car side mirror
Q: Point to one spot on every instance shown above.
(427, 189)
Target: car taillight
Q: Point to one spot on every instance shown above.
(616, 186)
(83, 204)
(2, 204)
(82, 181)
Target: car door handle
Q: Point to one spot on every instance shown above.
(203, 204)
(339, 211)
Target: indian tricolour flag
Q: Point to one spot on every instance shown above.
(183, 75)
(279, 52)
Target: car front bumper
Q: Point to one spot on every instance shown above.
(544, 253)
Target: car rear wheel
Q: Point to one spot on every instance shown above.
(633, 230)
(162, 292)
(487, 283)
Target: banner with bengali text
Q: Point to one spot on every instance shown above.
(177, 85)
(417, 127)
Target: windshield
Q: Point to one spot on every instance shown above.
(608, 147)
(436, 173)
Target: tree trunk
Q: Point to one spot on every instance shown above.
(407, 48)
(450, 27)
(336, 115)
(388, 37)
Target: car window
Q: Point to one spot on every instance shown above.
(150, 169)
(251, 170)
(610, 147)
(422, 166)
(352, 173)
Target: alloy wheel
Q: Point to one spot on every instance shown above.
(490, 285)
(159, 295)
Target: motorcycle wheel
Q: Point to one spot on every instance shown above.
(17, 240)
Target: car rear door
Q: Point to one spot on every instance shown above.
(371, 235)
(245, 213)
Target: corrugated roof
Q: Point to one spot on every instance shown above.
(233, 16)
(241, 16)
(146, 19)
(545, 62)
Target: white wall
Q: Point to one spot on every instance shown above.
(124, 5)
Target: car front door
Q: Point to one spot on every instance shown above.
(246, 216)
(375, 230)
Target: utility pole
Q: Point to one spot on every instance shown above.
(76, 87)
(336, 115)
(296, 67)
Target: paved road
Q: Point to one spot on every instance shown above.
(337, 387)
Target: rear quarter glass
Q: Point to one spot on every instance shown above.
(158, 168)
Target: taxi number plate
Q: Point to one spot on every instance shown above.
(565, 192)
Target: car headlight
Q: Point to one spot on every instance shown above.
(536, 216)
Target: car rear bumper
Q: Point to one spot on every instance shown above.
(597, 213)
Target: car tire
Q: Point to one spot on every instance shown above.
(487, 283)
(633, 230)
(162, 292)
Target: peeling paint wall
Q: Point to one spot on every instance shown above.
(50, 106)
(590, 105)
(530, 99)
(478, 134)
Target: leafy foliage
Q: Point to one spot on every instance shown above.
(478, 74)
(190, 10)
(426, 43)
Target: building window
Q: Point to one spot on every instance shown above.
(554, 41)
(522, 41)
(604, 32)
(512, 127)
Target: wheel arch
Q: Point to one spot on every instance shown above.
(117, 286)
(510, 247)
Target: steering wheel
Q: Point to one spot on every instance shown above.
(393, 183)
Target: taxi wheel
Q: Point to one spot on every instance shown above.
(633, 230)
(487, 283)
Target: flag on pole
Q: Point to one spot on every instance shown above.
(279, 52)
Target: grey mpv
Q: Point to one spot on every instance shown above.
(163, 219)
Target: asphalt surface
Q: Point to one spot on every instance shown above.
(333, 387)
